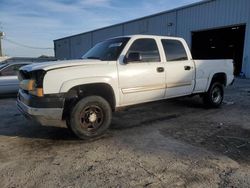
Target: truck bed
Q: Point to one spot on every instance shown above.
(205, 69)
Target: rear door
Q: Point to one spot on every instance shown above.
(143, 80)
(180, 70)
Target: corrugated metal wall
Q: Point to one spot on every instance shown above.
(179, 22)
(80, 43)
(103, 34)
(216, 14)
(62, 49)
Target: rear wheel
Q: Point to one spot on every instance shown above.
(214, 97)
(90, 117)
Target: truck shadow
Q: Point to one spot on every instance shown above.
(230, 140)
(154, 112)
(15, 125)
(33, 130)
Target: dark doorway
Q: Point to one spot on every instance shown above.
(224, 43)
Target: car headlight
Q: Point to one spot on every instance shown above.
(34, 85)
(37, 92)
(27, 85)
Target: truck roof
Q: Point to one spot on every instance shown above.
(147, 36)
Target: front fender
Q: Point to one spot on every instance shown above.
(67, 85)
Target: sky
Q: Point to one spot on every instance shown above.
(36, 23)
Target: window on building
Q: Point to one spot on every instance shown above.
(174, 50)
(147, 48)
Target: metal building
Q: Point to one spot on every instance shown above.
(213, 29)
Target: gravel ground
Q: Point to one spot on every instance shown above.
(175, 143)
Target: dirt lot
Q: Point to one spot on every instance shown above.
(173, 143)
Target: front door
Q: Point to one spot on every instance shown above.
(143, 80)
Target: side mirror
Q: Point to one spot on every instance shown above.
(132, 57)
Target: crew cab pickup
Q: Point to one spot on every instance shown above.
(118, 72)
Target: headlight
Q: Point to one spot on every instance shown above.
(34, 85)
(37, 92)
(27, 85)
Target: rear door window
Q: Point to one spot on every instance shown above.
(174, 50)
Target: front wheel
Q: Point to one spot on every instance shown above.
(90, 117)
(214, 97)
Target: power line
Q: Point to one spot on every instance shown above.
(26, 46)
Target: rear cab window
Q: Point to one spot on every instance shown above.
(147, 48)
(174, 50)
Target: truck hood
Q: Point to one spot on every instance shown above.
(61, 64)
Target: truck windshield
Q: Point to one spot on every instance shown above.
(108, 50)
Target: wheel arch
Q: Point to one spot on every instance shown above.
(220, 77)
(77, 92)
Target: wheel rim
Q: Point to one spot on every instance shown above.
(91, 118)
(216, 95)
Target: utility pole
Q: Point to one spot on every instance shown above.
(1, 35)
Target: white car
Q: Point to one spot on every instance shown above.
(116, 73)
(8, 77)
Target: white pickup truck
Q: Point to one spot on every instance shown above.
(117, 73)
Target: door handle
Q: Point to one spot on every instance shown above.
(160, 69)
(187, 68)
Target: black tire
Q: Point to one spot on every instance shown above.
(90, 117)
(215, 95)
